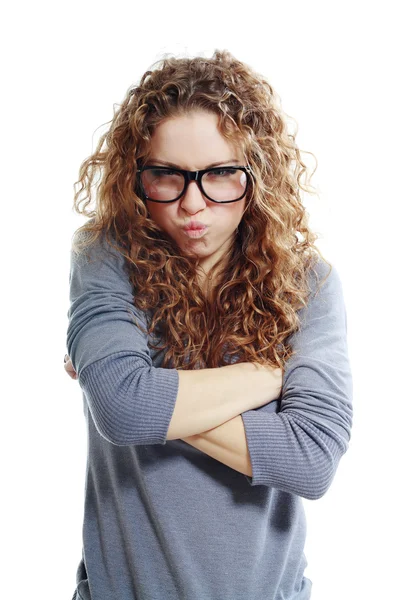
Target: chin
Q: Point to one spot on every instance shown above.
(196, 246)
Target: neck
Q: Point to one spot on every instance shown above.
(205, 282)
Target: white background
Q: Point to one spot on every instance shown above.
(335, 67)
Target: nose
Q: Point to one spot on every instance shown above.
(193, 200)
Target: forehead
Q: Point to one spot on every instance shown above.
(192, 141)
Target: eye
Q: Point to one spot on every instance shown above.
(223, 172)
(162, 172)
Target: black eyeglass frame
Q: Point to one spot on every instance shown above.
(194, 176)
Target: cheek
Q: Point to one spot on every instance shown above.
(159, 214)
(235, 216)
(225, 224)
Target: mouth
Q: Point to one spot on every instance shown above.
(194, 225)
(195, 231)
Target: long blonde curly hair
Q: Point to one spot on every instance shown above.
(252, 308)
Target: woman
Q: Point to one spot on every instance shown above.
(209, 342)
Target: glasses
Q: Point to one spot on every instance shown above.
(220, 184)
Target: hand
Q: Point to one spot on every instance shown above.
(274, 382)
(69, 368)
(268, 383)
(276, 378)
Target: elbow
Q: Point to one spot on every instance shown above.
(317, 484)
(112, 432)
(320, 474)
(108, 417)
(133, 438)
(311, 475)
(119, 394)
(318, 460)
(301, 457)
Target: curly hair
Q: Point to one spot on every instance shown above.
(252, 309)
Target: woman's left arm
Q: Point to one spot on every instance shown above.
(298, 449)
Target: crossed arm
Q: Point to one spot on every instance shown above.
(296, 451)
(226, 443)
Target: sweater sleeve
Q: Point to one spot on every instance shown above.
(298, 448)
(130, 400)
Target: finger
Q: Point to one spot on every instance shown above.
(68, 365)
(70, 369)
(71, 373)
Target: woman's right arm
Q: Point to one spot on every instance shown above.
(131, 401)
(209, 397)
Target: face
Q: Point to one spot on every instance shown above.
(193, 142)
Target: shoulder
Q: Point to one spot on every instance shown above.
(325, 306)
(100, 249)
(324, 279)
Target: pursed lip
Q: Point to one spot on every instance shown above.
(194, 225)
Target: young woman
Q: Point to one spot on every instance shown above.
(208, 335)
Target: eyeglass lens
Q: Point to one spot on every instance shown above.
(222, 185)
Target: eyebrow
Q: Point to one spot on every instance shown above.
(216, 164)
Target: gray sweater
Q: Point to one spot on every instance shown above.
(163, 520)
